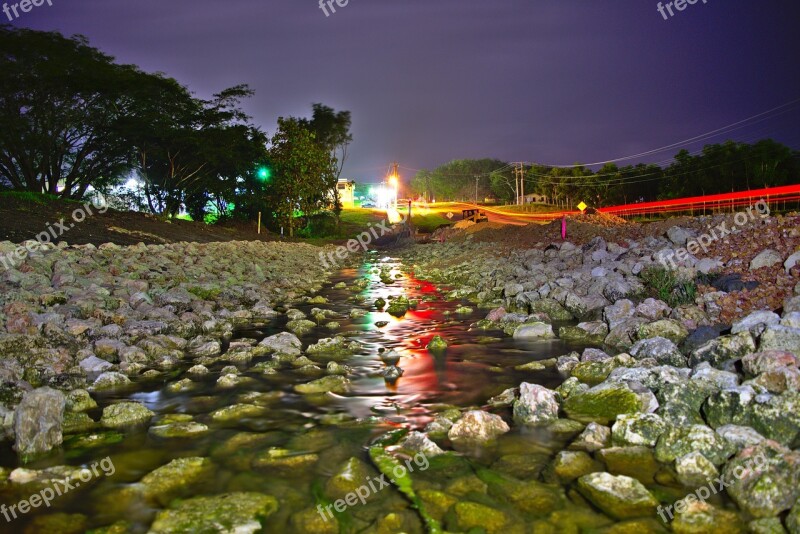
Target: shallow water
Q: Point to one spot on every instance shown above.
(334, 428)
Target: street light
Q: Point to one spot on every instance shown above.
(394, 182)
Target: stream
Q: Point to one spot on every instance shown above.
(321, 432)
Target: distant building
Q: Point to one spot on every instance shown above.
(535, 199)
(347, 192)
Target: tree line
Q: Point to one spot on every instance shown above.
(73, 121)
(718, 168)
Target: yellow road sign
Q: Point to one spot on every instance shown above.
(582, 206)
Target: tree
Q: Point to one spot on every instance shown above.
(331, 130)
(303, 173)
(62, 105)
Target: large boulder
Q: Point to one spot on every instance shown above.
(618, 312)
(476, 427)
(125, 414)
(620, 497)
(603, 403)
(536, 330)
(671, 329)
(679, 441)
(284, 343)
(718, 351)
(765, 479)
(660, 349)
(240, 513)
(38, 421)
(638, 429)
(536, 405)
(779, 337)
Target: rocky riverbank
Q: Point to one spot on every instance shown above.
(82, 317)
(673, 396)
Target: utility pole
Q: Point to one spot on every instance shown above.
(477, 177)
(519, 182)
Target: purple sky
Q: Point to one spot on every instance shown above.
(427, 81)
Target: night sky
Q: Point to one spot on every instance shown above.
(427, 81)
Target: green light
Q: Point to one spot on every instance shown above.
(264, 173)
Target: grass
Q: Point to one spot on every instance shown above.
(37, 198)
(666, 285)
(529, 208)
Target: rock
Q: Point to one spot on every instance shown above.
(653, 309)
(283, 343)
(740, 436)
(38, 421)
(666, 328)
(620, 497)
(696, 517)
(616, 290)
(94, 365)
(125, 414)
(708, 265)
(618, 312)
(662, 350)
(791, 261)
(284, 463)
(699, 337)
(554, 310)
(733, 282)
(536, 405)
(534, 331)
(478, 427)
(421, 443)
(714, 378)
(593, 438)
(791, 319)
(623, 335)
(756, 323)
(512, 289)
(603, 403)
(678, 235)
(565, 364)
(179, 430)
(792, 304)
(723, 349)
(204, 348)
(679, 441)
(179, 478)
(301, 327)
(765, 479)
(778, 337)
(695, 470)
(348, 478)
(586, 308)
(570, 465)
(470, 515)
(437, 344)
(336, 348)
(638, 429)
(591, 333)
(237, 412)
(636, 462)
(327, 384)
(79, 400)
(240, 513)
(766, 258)
(110, 380)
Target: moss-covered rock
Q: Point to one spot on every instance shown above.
(638, 429)
(603, 403)
(679, 441)
(125, 414)
(332, 384)
(60, 522)
(698, 517)
(471, 515)
(670, 329)
(180, 430)
(284, 462)
(620, 497)
(301, 327)
(179, 478)
(437, 344)
(570, 465)
(635, 462)
(242, 513)
(237, 412)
